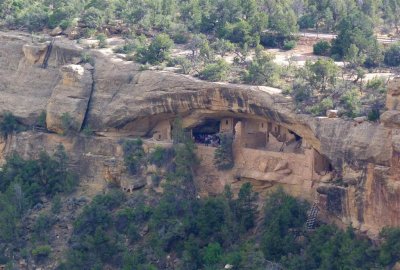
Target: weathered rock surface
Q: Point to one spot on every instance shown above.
(70, 98)
(115, 98)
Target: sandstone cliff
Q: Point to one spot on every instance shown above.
(116, 100)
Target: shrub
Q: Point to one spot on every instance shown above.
(67, 123)
(157, 52)
(182, 61)
(222, 46)
(92, 17)
(161, 156)
(289, 45)
(56, 205)
(322, 47)
(223, 155)
(127, 48)
(42, 226)
(238, 32)
(87, 131)
(351, 102)
(377, 84)
(212, 253)
(64, 24)
(322, 107)
(306, 21)
(41, 121)
(283, 215)
(102, 38)
(217, 71)
(262, 70)
(390, 250)
(392, 56)
(41, 252)
(181, 37)
(9, 124)
(134, 155)
(87, 58)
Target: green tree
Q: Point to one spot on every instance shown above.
(321, 75)
(351, 102)
(217, 71)
(356, 29)
(322, 47)
(9, 124)
(262, 70)
(392, 55)
(157, 52)
(134, 155)
(283, 216)
(223, 155)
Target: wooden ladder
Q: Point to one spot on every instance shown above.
(312, 215)
(48, 53)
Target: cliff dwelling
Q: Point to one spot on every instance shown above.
(265, 152)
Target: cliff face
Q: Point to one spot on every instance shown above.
(358, 182)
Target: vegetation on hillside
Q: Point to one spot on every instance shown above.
(175, 229)
(24, 185)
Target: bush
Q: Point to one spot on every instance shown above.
(9, 124)
(182, 61)
(351, 102)
(322, 107)
(41, 121)
(181, 37)
(67, 123)
(87, 58)
(92, 17)
(102, 38)
(127, 48)
(41, 252)
(272, 40)
(289, 45)
(222, 47)
(322, 47)
(223, 155)
(283, 215)
(377, 84)
(262, 70)
(157, 52)
(161, 156)
(217, 71)
(238, 32)
(134, 155)
(392, 56)
(390, 250)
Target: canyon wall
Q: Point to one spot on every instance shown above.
(116, 100)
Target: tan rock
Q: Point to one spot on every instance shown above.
(71, 96)
(34, 54)
(56, 31)
(360, 119)
(393, 94)
(332, 113)
(282, 165)
(391, 119)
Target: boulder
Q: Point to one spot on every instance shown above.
(69, 99)
(56, 31)
(360, 119)
(393, 94)
(34, 53)
(332, 113)
(391, 119)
